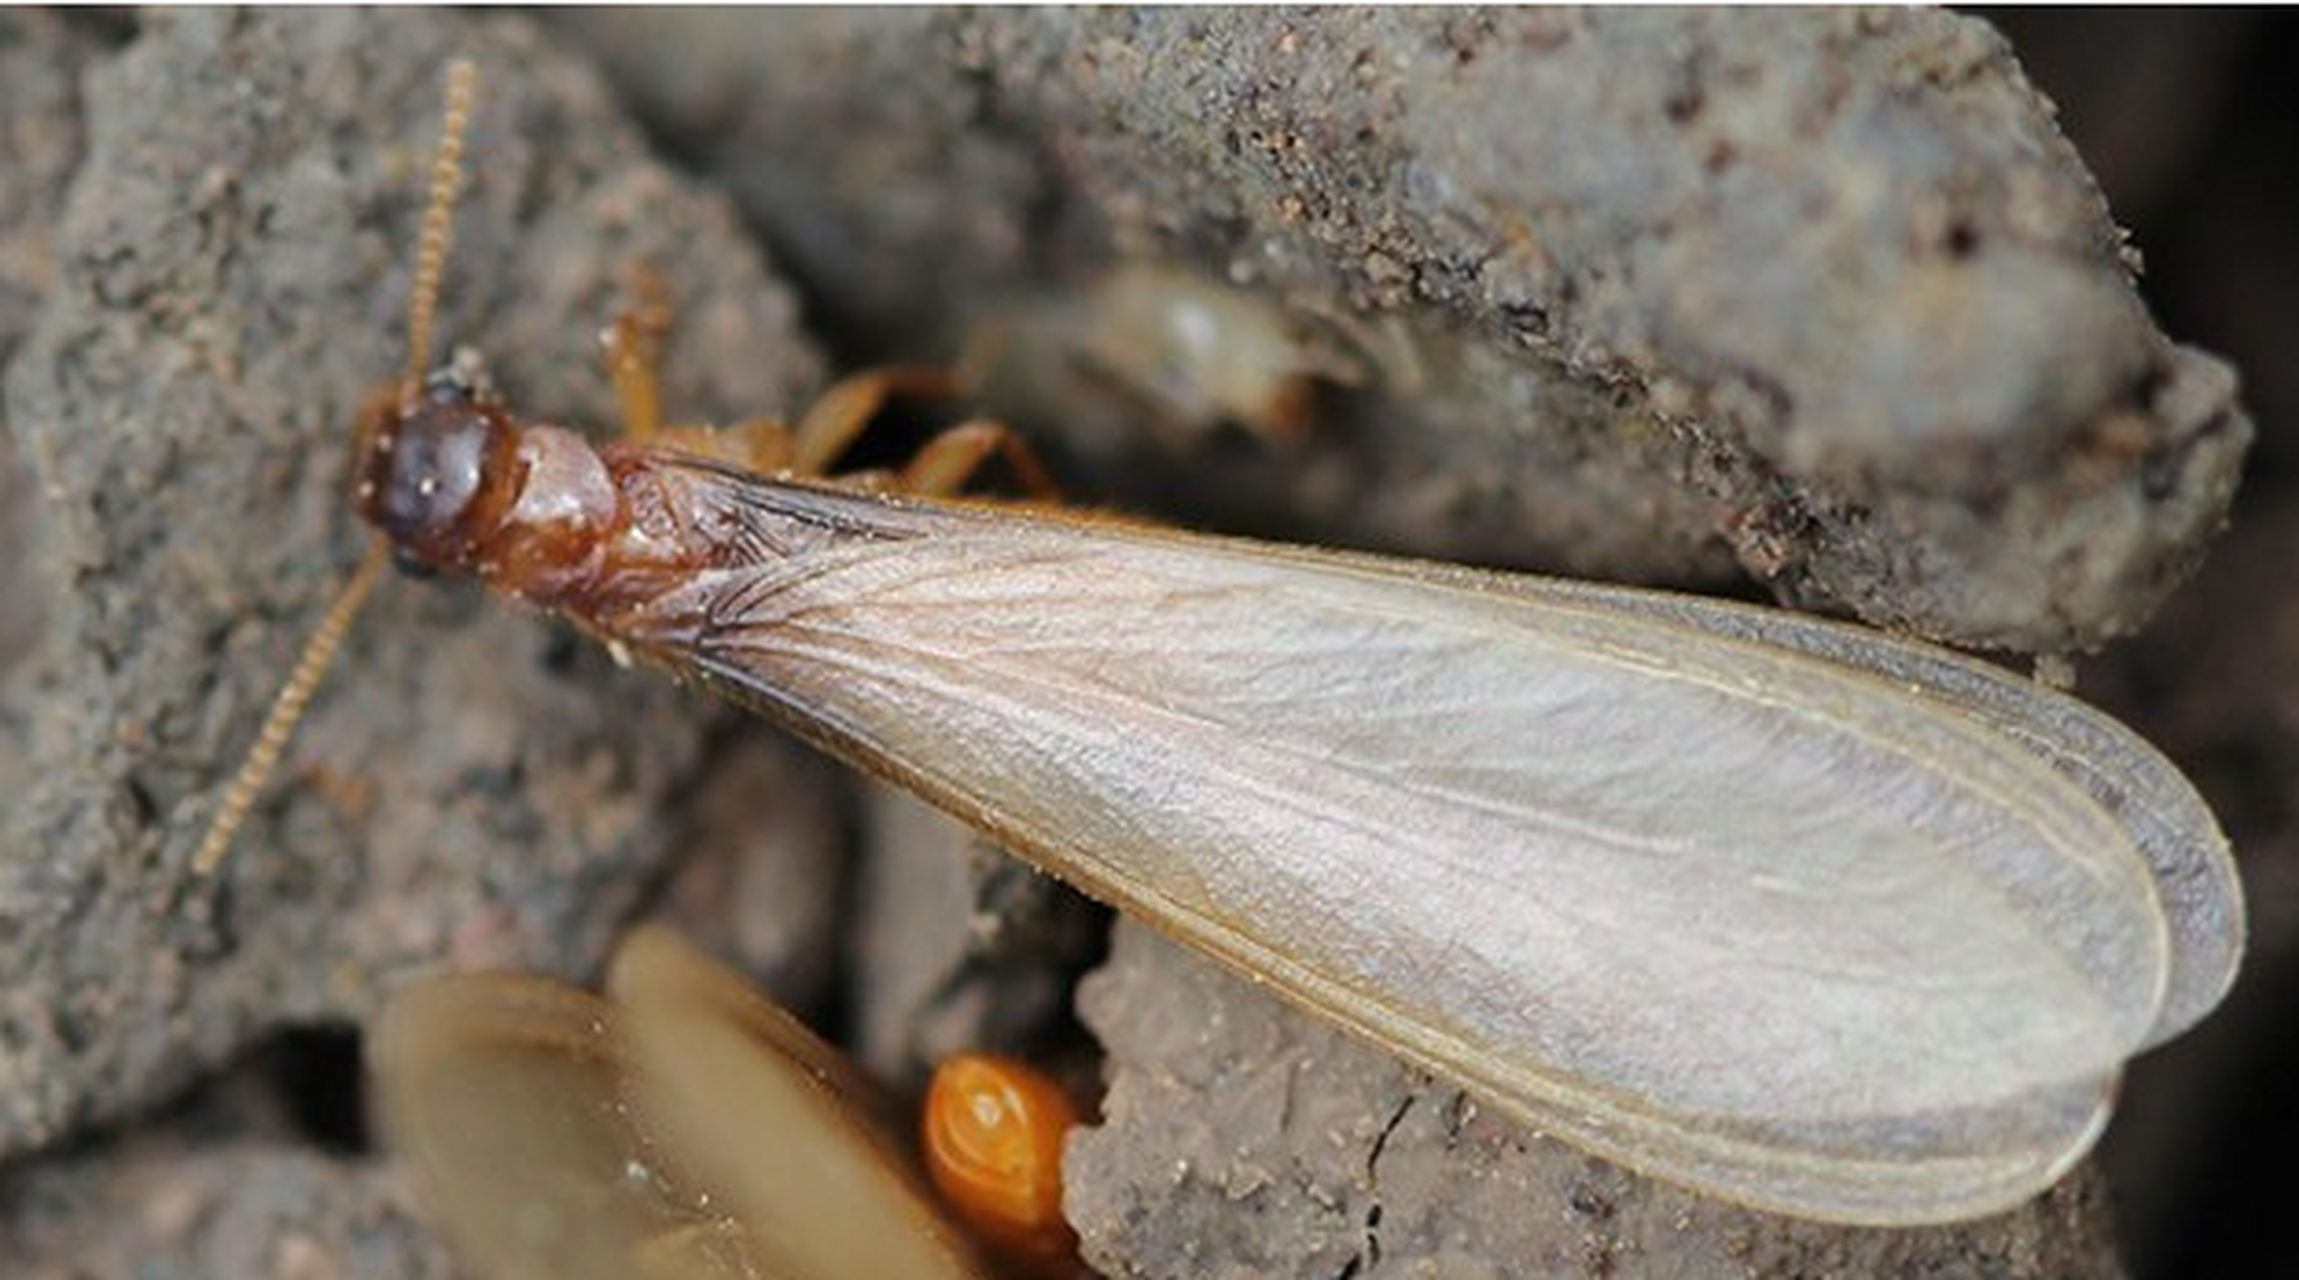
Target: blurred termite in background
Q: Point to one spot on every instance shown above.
(682, 1127)
(1797, 914)
(1188, 350)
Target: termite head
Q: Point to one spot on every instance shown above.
(435, 469)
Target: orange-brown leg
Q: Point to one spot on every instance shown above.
(634, 351)
(945, 463)
(633, 346)
(840, 414)
(824, 432)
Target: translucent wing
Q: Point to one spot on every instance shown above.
(1808, 929)
(688, 1131)
(504, 1096)
(775, 1122)
(2173, 828)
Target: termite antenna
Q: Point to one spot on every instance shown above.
(438, 225)
(319, 651)
(287, 708)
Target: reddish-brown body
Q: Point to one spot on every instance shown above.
(535, 511)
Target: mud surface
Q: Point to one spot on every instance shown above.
(1818, 305)
(1828, 290)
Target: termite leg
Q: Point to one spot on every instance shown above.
(946, 462)
(634, 351)
(840, 414)
(634, 346)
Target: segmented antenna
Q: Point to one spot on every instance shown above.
(438, 233)
(287, 707)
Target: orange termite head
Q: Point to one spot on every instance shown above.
(991, 1134)
(435, 468)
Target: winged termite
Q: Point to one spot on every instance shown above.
(1797, 914)
(1189, 350)
(684, 1128)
